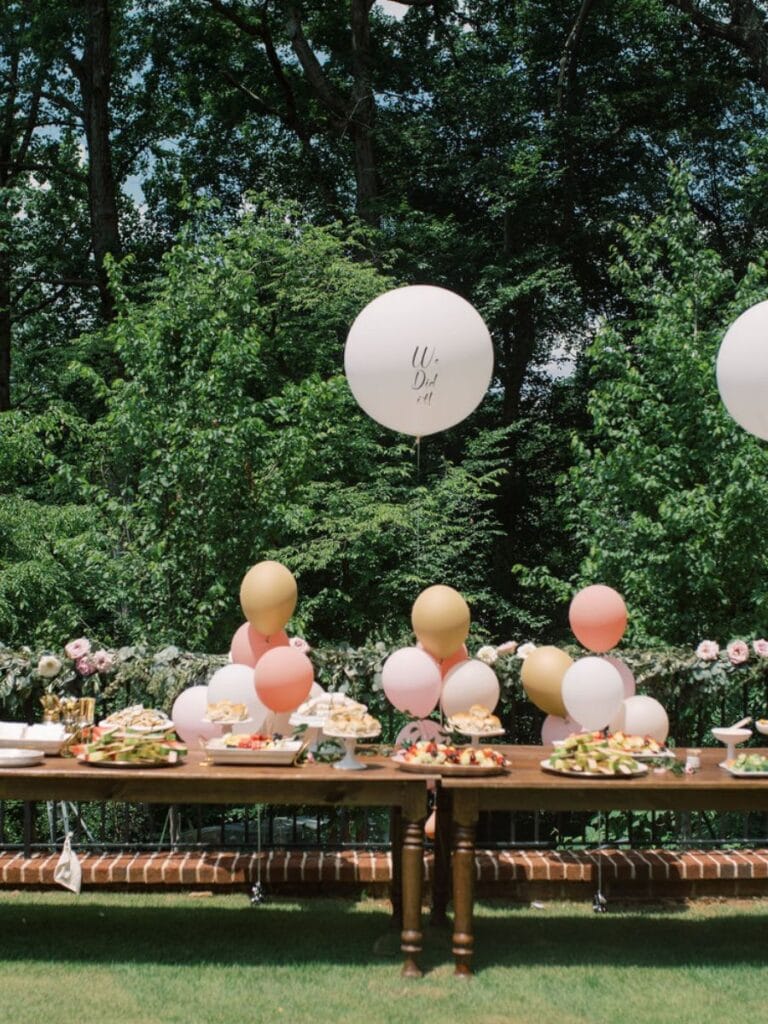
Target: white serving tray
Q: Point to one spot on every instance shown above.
(284, 755)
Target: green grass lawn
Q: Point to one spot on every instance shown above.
(158, 959)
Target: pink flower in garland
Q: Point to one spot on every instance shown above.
(707, 650)
(508, 647)
(85, 666)
(77, 648)
(760, 647)
(738, 652)
(299, 644)
(101, 661)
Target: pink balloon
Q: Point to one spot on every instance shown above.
(411, 681)
(556, 728)
(626, 675)
(248, 644)
(188, 714)
(598, 617)
(283, 678)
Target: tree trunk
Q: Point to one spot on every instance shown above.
(5, 334)
(94, 73)
(363, 113)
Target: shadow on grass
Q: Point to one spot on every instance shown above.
(328, 932)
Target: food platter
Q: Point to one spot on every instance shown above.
(129, 764)
(454, 770)
(642, 769)
(15, 757)
(284, 755)
(741, 773)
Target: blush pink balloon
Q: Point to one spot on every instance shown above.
(411, 681)
(557, 728)
(283, 678)
(248, 644)
(626, 675)
(188, 715)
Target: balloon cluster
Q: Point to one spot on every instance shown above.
(438, 668)
(269, 673)
(591, 692)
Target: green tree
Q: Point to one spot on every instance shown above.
(668, 500)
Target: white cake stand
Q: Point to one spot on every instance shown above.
(477, 738)
(314, 726)
(227, 724)
(349, 763)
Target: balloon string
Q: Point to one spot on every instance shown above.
(418, 510)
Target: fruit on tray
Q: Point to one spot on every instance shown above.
(430, 752)
(584, 754)
(626, 744)
(133, 749)
(475, 721)
(256, 741)
(750, 763)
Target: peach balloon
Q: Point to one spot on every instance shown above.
(248, 644)
(446, 664)
(268, 596)
(440, 618)
(598, 617)
(542, 678)
(283, 678)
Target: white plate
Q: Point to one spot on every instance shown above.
(740, 774)
(50, 747)
(478, 735)
(664, 755)
(311, 721)
(15, 757)
(142, 730)
(228, 721)
(284, 755)
(642, 770)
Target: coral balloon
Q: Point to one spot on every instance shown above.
(742, 370)
(235, 683)
(446, 664)
(592, 692)
(248, 645)
(419, 359)
(188, 715)
(556, 728)
(471, 682)
(642, 716)
(268, 596)
(598, 617)
(440, 618)
(411, 681)
(626, 676)
(542, 678)
(283, 678)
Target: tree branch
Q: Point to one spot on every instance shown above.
(316, 77)
(568, 59)
(746, 31)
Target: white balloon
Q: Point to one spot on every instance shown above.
(742, 370)
(592, 692)
(235, 683)
(419, 359)
(470, 682)
(642, 716)
(625, 672)
(556, 728)
(188, 714)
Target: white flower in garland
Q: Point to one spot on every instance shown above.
(48, 666)
(487, 654)
(524, 650)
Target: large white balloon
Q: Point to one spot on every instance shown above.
(188, 714)
(419, 359)
(470, 682)
(235, 683)
(592, 692)
(642, 716)
(742, 370)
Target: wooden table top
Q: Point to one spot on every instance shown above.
(528, 787)
(58, 778)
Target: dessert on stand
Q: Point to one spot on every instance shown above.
(351, 724)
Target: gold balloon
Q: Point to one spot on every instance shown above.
(542, 678)
(440, 618)
(268, 596)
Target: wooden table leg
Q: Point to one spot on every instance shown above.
(396, 844)
(465, 825)
(413, 872)
(441, 885)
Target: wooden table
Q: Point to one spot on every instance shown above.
(528, 788)
(380, 784)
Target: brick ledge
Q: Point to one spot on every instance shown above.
(522, 874)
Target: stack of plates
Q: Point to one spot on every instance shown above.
(14, 757)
